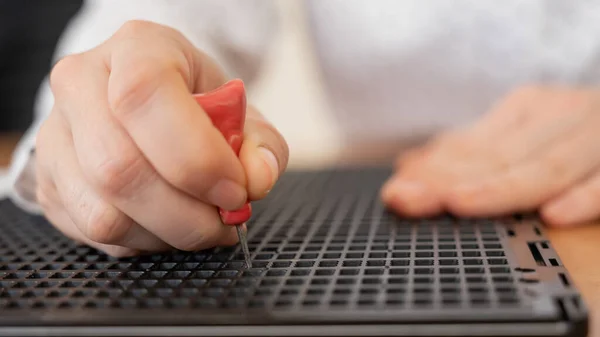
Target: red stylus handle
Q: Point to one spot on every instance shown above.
(226, 107)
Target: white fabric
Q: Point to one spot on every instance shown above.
(393, 70)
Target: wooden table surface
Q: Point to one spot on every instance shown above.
(7, 144)
(579, 250)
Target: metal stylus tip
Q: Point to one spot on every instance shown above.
(244, 242)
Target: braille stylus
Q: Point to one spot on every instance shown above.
(226, 107)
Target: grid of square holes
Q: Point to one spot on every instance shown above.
(320, 241)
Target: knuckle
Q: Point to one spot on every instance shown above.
(106, 225)
(135, 77)
(135, 28)
(133, 89)
(118, 176)
(62, 74)
(143, 28)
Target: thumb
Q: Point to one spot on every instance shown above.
(264, 154)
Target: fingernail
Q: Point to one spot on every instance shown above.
(227, 195)
(271, 161)
(411, 198)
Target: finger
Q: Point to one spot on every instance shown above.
(551, 102)
(50, 203)
(98, 220)
(149, 92)
(413, 189)
(418, 183)
(264, 154)
(512, 132)
(529, 134)
(524, 187)
(44, 165)
(579, 205)
(439, 164)
(55, 214)
(411, 156)
(61, 220)
(426, 174)
(120, 174)
(410, 197)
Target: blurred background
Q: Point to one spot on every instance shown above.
(29, 31)
(288, 91)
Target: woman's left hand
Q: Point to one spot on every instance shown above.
(537, 150)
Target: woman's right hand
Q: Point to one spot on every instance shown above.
(127, 162)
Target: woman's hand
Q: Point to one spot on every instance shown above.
(538, 149)
(128, 162)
